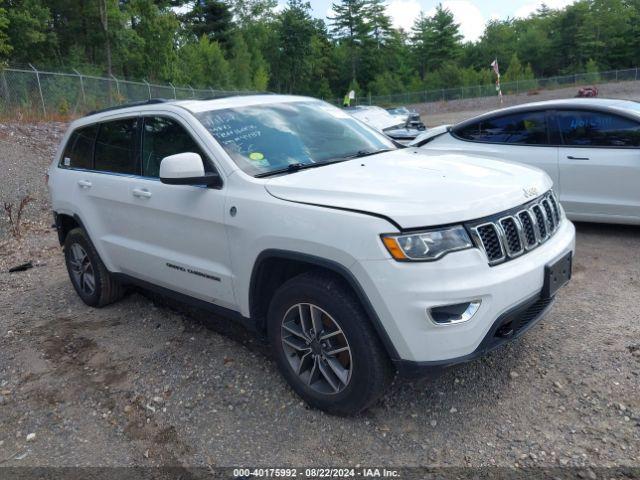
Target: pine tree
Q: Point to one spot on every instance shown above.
(437, 40)
(240, 63)
(5, 47)
(296, 30)
(348, 25)
(212, 18)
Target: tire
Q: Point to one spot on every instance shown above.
(90, 278)
(368, 369)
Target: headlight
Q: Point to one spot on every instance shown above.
(427, 245)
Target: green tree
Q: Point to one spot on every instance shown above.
(240, 63)
(592, 71)
(386, 83)
(212, 18)
(348, 25)
(157, 31)
(296, 30)
(30, 32)
(514, 70)
(202, 64)
(5, 46)
(437, 40)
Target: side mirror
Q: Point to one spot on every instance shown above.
(186, 169)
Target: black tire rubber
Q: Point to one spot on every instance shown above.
(372, 370)
(107, 289)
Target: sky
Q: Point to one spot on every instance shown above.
(472, 15)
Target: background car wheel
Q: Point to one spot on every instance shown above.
(325, 346)
(91, 279)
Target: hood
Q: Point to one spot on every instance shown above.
(377, 118)
(415, 187)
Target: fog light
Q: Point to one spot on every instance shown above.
(457, 313)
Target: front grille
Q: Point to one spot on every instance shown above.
(512, 235)
(528, 228)
(550, 218)
(556, 209)
(541, 222)
(508, 235)
(491, 241)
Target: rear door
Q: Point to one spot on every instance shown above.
(177, 232)
(102, 188)
(515, 137)
(599, 165)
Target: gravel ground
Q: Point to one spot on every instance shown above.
(143, 383)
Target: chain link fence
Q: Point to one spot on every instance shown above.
(33, 93)
(508, 88)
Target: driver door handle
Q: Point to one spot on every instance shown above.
(571, 157)
(141, 193)
(84, 183)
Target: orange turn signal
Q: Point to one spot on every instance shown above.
(393, 247)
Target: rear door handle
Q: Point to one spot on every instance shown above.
(84, 183)
(141, 193)
(571, 157)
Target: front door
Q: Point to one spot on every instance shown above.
(177, 232)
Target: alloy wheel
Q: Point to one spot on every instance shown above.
(316, 348)
(82, 269)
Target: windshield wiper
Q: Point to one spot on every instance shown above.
(295, 167)
(367, 153)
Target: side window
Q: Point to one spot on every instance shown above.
(527, 128)
(116, 147)
(163, 137)
(597, 129)
(78, 152)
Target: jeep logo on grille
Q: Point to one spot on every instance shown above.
(530, 192)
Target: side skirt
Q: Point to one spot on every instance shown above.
(189, 301)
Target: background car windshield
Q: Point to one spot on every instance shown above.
(265, 138)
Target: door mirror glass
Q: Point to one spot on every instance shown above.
(186, 169)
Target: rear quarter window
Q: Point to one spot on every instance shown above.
(78, 152)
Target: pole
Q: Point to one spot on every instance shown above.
(174, 91)
(117, 85)
(84, 97)
(148, 88)
(5, 88)
(44, 109)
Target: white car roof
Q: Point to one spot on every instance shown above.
(598, 103)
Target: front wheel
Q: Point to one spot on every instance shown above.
(325, 346)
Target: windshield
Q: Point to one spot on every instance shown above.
(271, 137)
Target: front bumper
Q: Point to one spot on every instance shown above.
(509, 326)
(402, 293)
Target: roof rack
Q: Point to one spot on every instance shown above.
(151, 101)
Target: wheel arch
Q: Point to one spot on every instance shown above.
(64, 223)
(265, 280)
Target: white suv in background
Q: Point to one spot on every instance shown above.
(355, 257)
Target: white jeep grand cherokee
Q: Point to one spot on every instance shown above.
(354, 256)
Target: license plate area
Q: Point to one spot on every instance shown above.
(556, 275)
